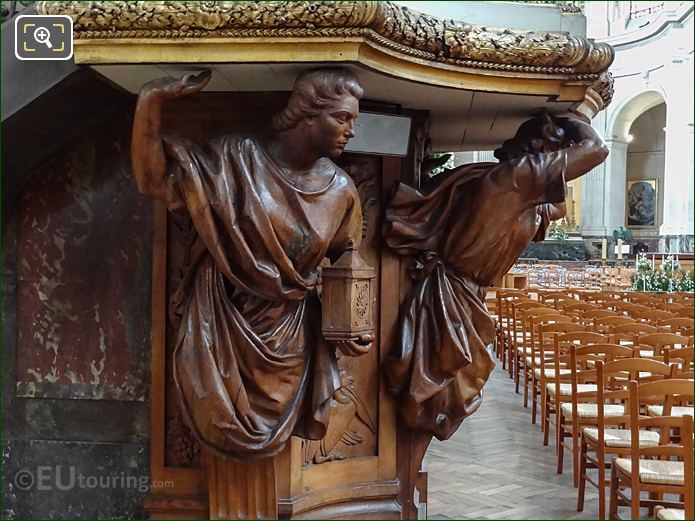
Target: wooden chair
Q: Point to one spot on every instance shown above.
(525, 339)
(663, 469)
(551, 298)
(682, 358)
(682, 362)
(628, 309)
(676, 324)
(652, 344)
(606, 438)
(687, 312)
(672, 307)
(581, 408)
(537, 317)
(587, 318)
(503, 297)
(655, 316)
(599, 297)
(606, 324)
(627, 334)
(521, 335)
(554, 371)
(575, 309)
(541, 370)
(511, 306)
(644, 299)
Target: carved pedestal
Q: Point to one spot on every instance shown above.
(241, 489)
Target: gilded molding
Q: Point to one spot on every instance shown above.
(383, 24)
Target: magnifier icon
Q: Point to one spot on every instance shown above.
(43, 35)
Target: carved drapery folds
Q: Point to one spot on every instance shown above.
(384, 24)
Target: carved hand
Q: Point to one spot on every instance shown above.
(171, 88)
(357, 347)
(575, 129)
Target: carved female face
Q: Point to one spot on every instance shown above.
(332, 128)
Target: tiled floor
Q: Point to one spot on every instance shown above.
(496, 467)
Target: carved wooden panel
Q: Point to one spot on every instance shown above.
(354, 466)
(352, 431)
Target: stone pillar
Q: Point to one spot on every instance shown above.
(593, 192)
(591, 203)
(614, 185)
(678, 175)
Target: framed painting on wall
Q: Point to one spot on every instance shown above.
(641, 203)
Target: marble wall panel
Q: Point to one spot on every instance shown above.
(84, 274)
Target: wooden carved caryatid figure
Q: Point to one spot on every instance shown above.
(251, 365)
(465, 229)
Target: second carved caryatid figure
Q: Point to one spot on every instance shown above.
(465, 229)
(251, 364)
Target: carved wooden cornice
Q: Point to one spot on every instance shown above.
(393, 28)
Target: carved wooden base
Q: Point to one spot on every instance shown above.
(372, 500)
(176, 506)
(241, 490)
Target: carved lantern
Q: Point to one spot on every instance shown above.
(347, 294)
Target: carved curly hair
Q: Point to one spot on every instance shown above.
(312, 92)
(540, 134)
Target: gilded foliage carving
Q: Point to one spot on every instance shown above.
(390, 25)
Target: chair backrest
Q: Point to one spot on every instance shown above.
(598, 296)
(655, 315)
(516, 306)
(644, 299)
(547, 332)
(637, 369)
(564, 342)
(676, 324)
(660, 340)
(605, 325)
(504, 296)
(687, 312)
(605, 352)
(551, 297)
(583, 359)
(599, 312)
(680, 357)
(581, 338)
(630, 332)
(673, 307)
(575, 308)
(544, 319)
(537, 317)
(628, 309)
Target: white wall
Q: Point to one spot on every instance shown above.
(653, 65)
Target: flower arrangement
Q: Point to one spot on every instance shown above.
(558, 233)
(668, 278)
(643, 264)
(670, 265)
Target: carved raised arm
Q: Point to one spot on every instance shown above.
(147, 151)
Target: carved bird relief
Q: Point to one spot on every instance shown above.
(346, 406)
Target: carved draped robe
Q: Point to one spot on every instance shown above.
(466, 230)
(250, 365)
